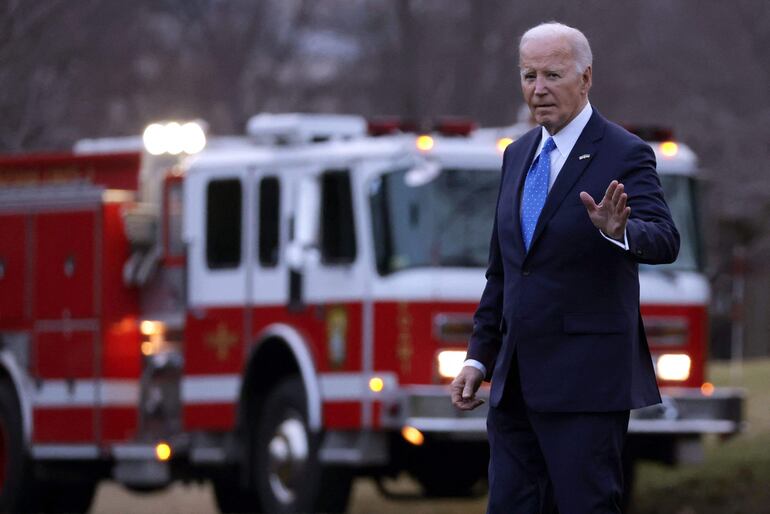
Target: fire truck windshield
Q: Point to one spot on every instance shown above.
(443, 218)
(680, 192)
(433, 217)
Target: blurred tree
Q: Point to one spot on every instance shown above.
(96, 68)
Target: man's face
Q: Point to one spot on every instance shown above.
(553, 89)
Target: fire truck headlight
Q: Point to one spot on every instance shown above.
(672, 366)
(450, 362)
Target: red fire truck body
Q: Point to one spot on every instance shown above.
(277, 313)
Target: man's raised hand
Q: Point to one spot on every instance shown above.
(464, 388)
(611, 214)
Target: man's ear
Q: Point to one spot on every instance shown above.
(586, 79)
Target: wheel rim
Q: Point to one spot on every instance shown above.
(288, 454)
(3, 455)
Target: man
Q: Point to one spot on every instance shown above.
(558, 329)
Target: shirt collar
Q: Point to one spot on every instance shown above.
(566, 138)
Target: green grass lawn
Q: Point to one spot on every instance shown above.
(735, 477)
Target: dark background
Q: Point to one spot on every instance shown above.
(70, 70)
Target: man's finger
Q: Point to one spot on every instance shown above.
(457, 391)
(468, 390)
(621, 206)
(469, 404)
(617, 194)
(610, 190)
(588, 201)
(626, 214)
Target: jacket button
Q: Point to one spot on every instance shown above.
(525, 272)
(638, 252)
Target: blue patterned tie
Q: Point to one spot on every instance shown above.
(535, 191)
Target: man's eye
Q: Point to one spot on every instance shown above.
(553, 75)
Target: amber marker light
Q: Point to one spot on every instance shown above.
(412, 435)
(424, 143)
(163, 451)
(147, 348)
(669, 148)
(707, 389)
(376, 384)
(503, 143)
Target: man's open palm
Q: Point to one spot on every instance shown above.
(611, 214)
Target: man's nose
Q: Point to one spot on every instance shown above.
(540, 88)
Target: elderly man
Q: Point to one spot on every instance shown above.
(558, 329)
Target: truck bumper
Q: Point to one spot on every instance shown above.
(684, 411)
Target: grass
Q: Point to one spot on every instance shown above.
(735, 476)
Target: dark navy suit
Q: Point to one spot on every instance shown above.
(558, 328)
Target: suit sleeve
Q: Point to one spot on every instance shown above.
(652, 236)
(486, 338)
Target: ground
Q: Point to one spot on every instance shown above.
(734, 479)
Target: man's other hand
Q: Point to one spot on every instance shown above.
(464, 388)
(611, 214)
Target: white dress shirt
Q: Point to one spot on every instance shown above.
(565, 141)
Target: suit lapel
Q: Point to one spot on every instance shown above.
(520, 176)
(573, 168)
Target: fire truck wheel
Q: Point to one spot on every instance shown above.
(63, 497)
(14, 467)
(289, 476)
(231, 498)
(434, 468)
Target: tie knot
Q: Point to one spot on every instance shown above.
(548, 146)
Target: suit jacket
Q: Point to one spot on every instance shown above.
(569, 308)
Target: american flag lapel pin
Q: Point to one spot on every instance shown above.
(584, 156)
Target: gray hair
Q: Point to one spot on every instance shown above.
(581, 50)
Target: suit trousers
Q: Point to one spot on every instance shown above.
(553, 463)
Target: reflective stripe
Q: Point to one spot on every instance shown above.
(354, 386)
(83, 393)
(198, 389)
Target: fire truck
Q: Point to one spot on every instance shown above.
(281, 312)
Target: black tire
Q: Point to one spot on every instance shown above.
(435, 468)
(20, 490)
(231, 497)
(64, 497)
(14, 468)
(289, 477)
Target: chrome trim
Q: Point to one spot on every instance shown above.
(65, 451)
(130, 451)
(683, 411)
(683, 426)
(442, 319)
(355, 448)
